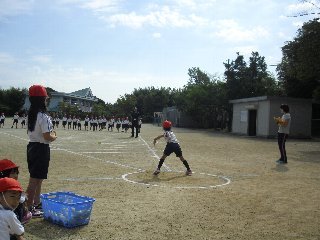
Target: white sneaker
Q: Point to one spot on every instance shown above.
(156, 172)
(189, 172)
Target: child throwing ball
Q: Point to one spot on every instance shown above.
(172, 146)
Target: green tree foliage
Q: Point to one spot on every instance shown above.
(299, 70)
(12, 100)
(249, 80)
(150, 100)
(125, 104)
(203, 98)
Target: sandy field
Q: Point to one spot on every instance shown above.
(237, 190)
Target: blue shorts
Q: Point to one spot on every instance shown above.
(173, 147)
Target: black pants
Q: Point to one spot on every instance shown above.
(282, 137)
(132, 131)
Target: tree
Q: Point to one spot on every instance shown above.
(12, 100)
(249, 80)
(203, 98)
(299, 70)
(196, 76)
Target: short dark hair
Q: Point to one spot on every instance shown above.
(285, 108)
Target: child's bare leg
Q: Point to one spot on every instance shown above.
(37, 200)
(34, 184)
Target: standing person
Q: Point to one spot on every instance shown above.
(118, 124)
(74, 123)
(79, 123)
(104, 122)
(86, 123)
(91, 122)
(53, 120)
(57, 120)
(126, 124)
(10, 194)
(95, 124)
(64, 121)
(69, 121)
(15, 120)
(284, 123)
(40, 134)
(139, 125)
(2, 118)
(134, 121)
(172, 146)
(23, 120)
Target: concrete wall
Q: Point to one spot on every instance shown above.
(301, 113)
(240, 123)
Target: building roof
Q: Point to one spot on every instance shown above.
(85, 93)
(264, 98)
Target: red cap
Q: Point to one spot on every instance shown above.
(37, 91)
(6, 164)
(9, 184)
(167, 124)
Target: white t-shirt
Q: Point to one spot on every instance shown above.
(285, 129)
(170, 137)
(43, 125)
(9, 224)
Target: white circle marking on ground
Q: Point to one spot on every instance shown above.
(225, 179)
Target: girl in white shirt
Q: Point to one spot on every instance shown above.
(40, 132)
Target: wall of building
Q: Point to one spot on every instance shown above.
(240, 119)
(301, 113)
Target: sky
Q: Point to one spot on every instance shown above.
(116, 46)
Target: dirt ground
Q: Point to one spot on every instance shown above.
(237, 190)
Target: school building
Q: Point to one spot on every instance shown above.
(254, 116)
(83, 99)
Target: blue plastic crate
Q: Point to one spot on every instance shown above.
(66, 208)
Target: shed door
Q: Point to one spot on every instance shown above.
(252, 128)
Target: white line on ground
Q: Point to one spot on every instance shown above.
(154, 154)
(224, 178)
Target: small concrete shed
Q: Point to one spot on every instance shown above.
(254, 116)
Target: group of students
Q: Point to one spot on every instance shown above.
(93, 123)
(16, 119)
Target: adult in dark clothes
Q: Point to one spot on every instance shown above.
(135, 122)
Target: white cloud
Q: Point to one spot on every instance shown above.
(165, 17)
(44, 59)
(231, 31)
(156, 35)
(195, 4)
(101, 5)
(6, 58)
(14, 7)
(298, 24)
(301, 7)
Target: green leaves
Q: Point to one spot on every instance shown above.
(299, 70)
